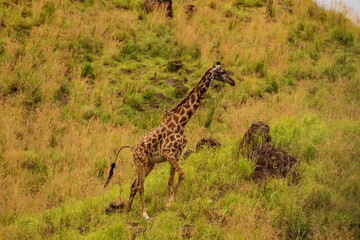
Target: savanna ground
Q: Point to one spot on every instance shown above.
(81, 78)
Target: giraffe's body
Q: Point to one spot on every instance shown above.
(167, 141)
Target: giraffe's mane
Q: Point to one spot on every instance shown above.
(176, 107)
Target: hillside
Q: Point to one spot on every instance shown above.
(80, 78)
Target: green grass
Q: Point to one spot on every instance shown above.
(81, 78)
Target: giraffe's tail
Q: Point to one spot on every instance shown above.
(113, 164)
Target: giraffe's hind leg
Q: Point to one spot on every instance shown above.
(141, 179)
(133, 191)
(135, 186)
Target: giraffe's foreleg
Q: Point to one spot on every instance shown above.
(181, 177)
(170, 157)
(170, 188)
(133, 191)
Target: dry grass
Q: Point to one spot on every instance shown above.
(299, 75)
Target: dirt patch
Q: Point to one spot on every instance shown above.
(257, 134)
(203, 143)
(154, 104)
(171, 82)
(151, 5)
(49, 231)
(270, 161)
(215, 216)
(186, 231)
(83, 230)
(190, 10)
(208, 142)
(138, 231)
(160, 96)
(126, 71)
(115, 206)
(174, 66)
(180, 89)
(62, 95)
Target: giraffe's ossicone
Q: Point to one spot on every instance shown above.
(167, 141)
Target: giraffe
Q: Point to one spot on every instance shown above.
(167, 141)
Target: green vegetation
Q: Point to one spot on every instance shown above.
(81, 78)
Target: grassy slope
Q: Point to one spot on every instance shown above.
(77, 82)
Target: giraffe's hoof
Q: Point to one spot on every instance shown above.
(146, 217)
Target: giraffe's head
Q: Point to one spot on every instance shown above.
(221, 75)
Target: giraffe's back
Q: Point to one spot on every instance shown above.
(159, 140)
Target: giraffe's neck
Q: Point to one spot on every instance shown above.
(184, 110)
